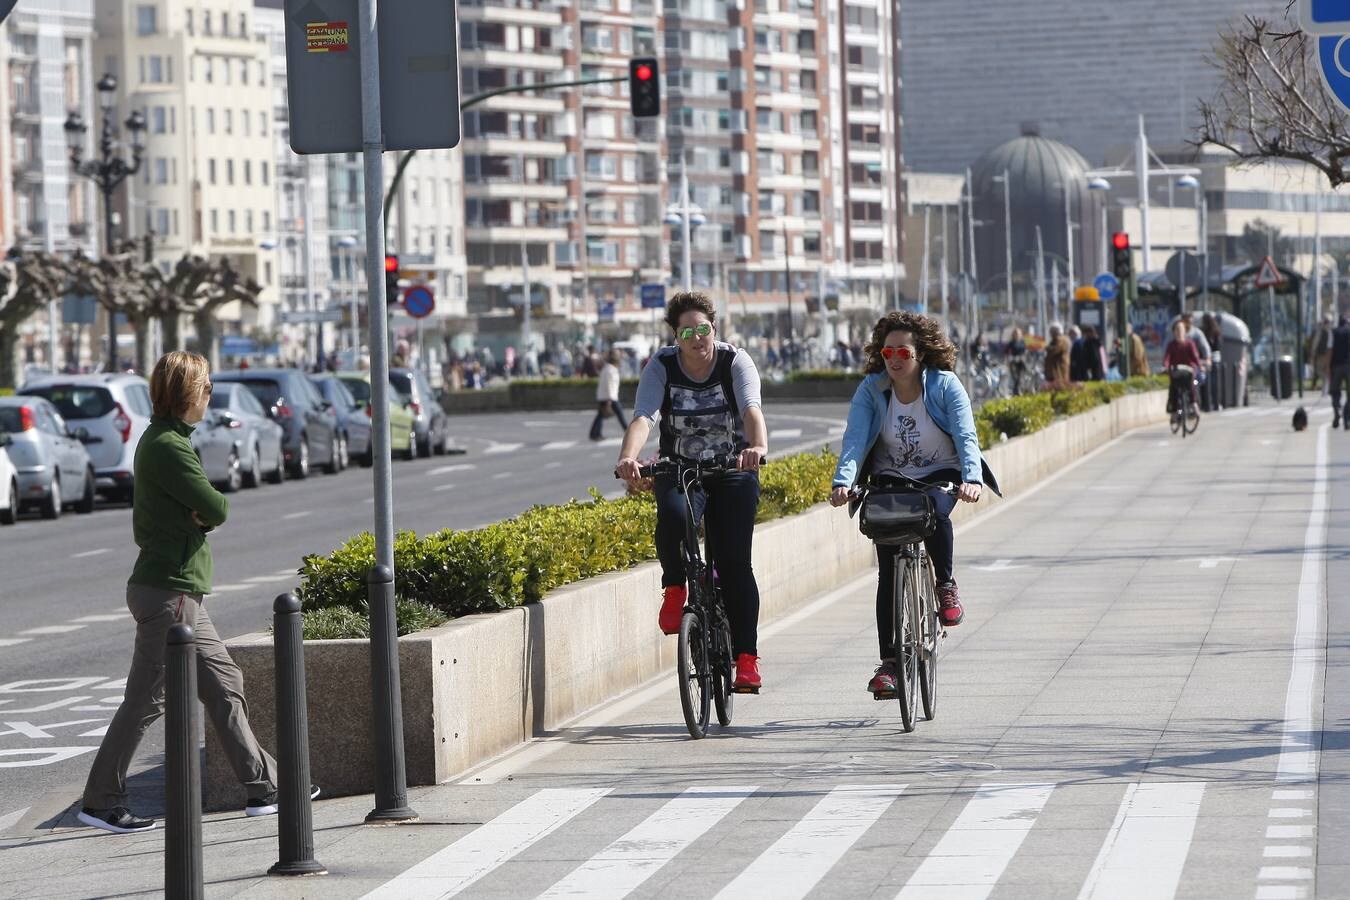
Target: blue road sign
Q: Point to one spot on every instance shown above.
(418, 301)
(1333, 56)
(607, 312)
(653, 296)
(238, 345)
(1107, 285)
(1325, 16)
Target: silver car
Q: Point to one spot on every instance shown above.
(236, 441)
(54, 470)
(353, 423)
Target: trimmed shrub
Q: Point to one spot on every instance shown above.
(1014, 416)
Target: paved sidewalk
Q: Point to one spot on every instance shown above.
(1117, 719)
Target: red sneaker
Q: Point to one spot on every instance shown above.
(672, 609)
(883, 685)
(950, 610)
(747, 674)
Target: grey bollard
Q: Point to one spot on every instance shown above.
(386, 708)
(182, 769)
(295, 814)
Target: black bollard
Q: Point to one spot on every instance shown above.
(391, 778)
(295, 815)
(182, 765)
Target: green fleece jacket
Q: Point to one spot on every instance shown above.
(169, 487)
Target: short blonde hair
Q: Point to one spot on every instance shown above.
(178, 380)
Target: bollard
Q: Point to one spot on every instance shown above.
(295, 815)
(182, 765)
(386, 712)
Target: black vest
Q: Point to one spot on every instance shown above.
(700, 420)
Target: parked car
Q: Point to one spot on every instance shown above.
(430, 423)
(54, 470)
(114, 408)
(353, 423)
(308, 422)
(236, 441)
(9, 484)
(402, 439)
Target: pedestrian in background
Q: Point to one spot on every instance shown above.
(1016, 352)
(1077, 359)
(1340, 372)
(173, 509)
(1138, 354)
(1057, 352)
(1321, 353)
(607, 395)
(1094, 355)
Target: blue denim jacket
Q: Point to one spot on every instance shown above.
(945, 399)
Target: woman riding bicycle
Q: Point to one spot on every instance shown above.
(910, 418)
(704, 394)
(1181, 359)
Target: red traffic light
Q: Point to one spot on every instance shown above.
(643, 73)
(391, 263)
(1120, 240)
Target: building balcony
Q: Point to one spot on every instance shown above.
(550, 60)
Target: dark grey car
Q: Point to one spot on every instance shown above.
(237, 443)
(430, 423)
(308, 422)
(54, 470)
(353, 423)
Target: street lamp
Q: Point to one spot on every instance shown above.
(108, 170)
(1101, 184)
(1007, 232)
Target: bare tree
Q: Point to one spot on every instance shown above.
(1272, 102)
(27, 282)
(178, 294)
(223, 285)
(118, 281)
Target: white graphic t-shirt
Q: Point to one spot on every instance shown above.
(912, 445)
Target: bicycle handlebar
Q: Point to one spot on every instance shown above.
(718, 465)
(946, 487)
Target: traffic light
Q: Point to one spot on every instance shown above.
(1122, 257)
(644, 86)
(390, 279)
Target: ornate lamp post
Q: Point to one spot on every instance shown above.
(107, 170)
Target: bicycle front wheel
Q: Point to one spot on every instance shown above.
(724, 674)
(692, 667)
(930, 635)
(906, 644)
(1192, 420)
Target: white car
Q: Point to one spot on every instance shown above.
(9, 485)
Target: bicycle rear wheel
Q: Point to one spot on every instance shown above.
(906, 644)
(692, 667)
(930, 637)
(724, 673)
(1192, 420)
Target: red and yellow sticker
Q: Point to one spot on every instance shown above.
(326, 37)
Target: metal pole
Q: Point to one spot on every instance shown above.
(391, 794)
(942, 274)
(107, 253)
(295, 815)
(527, 314)
(1068, 235)
(356, 316)
(1317, 255)
(923, 272)
(1007, 235)
(1141, 172)
(1201, 205)
(182, 769)
(787, 274)
(685, 229)
(974, 298)
(315, 343)
(1040, 282)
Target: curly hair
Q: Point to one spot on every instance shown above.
(935, 350)
(686, 301)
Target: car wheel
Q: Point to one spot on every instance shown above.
(233, 477)
(444, 445)
(411, 452)
(86, 504)
(301, 467)
(367, 459)
(253, 477)
(278, 474)
(344, 457)
(334, 464)
(51, 507)
(10, 513)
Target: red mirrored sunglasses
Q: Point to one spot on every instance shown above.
(902, 352)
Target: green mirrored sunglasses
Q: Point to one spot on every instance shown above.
(687, 333)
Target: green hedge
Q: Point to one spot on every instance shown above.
(1011, 417)
(455, 573)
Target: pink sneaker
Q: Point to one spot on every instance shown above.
(950, 610)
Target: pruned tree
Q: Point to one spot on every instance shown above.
(222, 286)
(1260, 238)
(27, 282)
(1272, 102)
(118, 281)
(177, 294)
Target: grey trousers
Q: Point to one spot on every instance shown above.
(220, 685)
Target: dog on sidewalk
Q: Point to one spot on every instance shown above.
(1300, 419)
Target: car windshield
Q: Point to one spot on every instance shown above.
(402, 383)
(360, 389)
(10, 419)
(267, 391)
(77, 401)
(220, 399)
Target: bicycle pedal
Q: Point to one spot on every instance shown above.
(885, 695)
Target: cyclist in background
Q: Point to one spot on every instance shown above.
(1181, 351)
(911, 418)
(704, 395)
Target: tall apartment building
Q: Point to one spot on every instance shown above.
(203, 76)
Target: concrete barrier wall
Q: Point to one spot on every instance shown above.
(477, 686)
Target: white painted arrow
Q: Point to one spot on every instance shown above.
(998, 565)
(1211, 562)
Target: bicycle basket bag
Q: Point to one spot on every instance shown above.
(897, 517)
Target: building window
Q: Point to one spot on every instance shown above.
(188, 23)
(264, 172)
(232, 222)
(243, 121)
(210, 120)
(806, 41)
(266, 221)
(215, 221)
(161, 170)
(229, 121)
(206, 22)
(229, 171)
(210, 171)
(146, 22)
(248, 173)
(262, 124)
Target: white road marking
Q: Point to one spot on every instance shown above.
(1156, 821)
(1288, 812)
(9, 820)
(100, 551)
(10, 642)
(452, 869)
(442, 487)
(457, 467)
(43, 756)
(119, 685)
(1280, 892)
(624, 865)
(51, 629)
(970, 858)
(1279, 851)
(268, 579)
(1292, 794)
(553, 465)
(1300, 739)
(785, 433)
(1284, 873)
(998, 565)
(102, 617)
(608, 442)
(298, 515)
(1276, 832)
(48, 707)
(558, 445)
(35, 732)
(96, 733)
(1211, 562)
(501, 475)
(799, 859)
(495, 448)
(231, 588)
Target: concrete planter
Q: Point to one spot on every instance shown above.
(479, 685)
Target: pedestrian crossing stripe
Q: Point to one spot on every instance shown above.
(1154, 821)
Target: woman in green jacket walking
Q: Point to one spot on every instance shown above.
(175, 506)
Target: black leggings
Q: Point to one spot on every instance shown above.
(735, 498)
(941, 549)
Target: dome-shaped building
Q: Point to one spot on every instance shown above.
(1039, 172)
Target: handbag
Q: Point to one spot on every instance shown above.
(897, 517)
